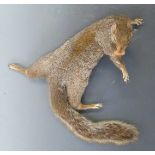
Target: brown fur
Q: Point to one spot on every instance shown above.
(67, 71)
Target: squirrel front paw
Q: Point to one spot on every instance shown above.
(125, 77)
(138, 21)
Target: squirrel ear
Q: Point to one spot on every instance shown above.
(113, 27)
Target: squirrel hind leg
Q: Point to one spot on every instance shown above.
(29, 72)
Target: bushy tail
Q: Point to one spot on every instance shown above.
(115, 132)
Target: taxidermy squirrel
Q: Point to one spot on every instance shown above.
(67, 71)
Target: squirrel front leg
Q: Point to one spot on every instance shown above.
(118, 62)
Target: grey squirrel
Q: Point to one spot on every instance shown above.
(68, 69)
